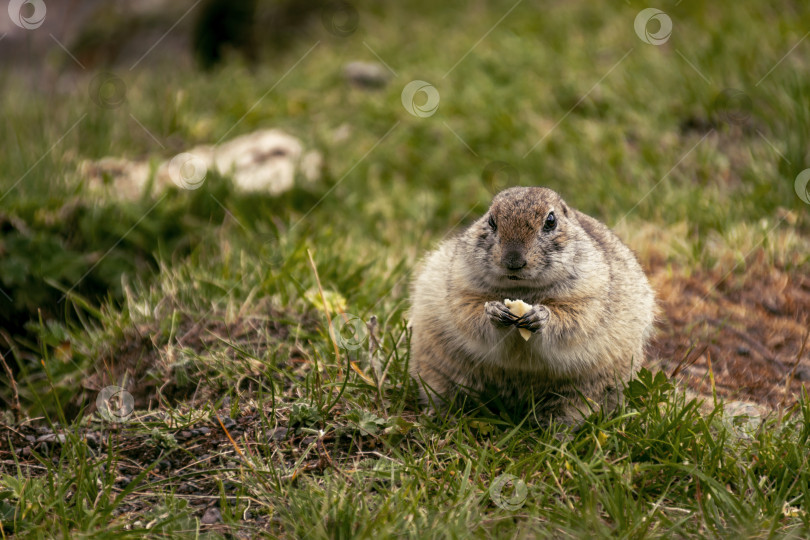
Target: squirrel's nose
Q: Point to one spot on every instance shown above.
(513, 260)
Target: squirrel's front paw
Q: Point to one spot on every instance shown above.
(499, 314)
(535, 319)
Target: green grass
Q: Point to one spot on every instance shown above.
(221, 309)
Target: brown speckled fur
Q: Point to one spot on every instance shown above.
(600, 311)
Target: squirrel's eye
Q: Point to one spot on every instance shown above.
(492, 223)
(551, 222)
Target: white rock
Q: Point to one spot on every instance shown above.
(264, 161)
(120, 177)
(366, 74)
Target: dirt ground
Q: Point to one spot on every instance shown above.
(746, 328)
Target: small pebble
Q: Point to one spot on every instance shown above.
(366, 74)
(211, 516)
(278, 434)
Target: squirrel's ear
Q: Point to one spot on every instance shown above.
(565, 210)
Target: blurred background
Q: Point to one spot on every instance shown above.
(165, 166)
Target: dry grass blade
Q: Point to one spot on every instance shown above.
(326, 311)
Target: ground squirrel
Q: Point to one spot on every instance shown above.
(592, 311)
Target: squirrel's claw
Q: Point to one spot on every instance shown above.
(499, 314)
(534, 320)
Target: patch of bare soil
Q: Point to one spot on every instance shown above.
(747, 328)
(199, 462)
(155, 370)
(191, 459)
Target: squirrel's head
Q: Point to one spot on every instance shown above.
(526, 239)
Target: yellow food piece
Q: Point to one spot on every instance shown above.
(519, 308)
